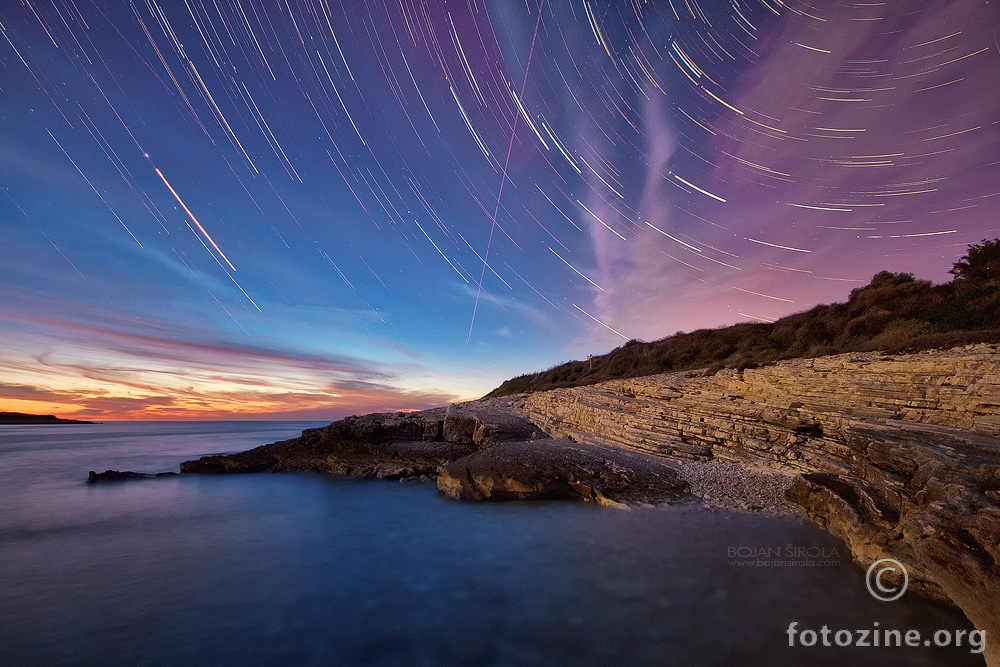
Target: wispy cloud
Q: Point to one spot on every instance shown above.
(105, 372)
(255, 403)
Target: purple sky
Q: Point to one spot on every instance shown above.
(315, 208)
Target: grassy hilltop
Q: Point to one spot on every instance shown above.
(894, 313)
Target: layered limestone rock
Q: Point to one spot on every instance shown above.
(390, 445)
(898, 456)
(795, 412)
(478, 451)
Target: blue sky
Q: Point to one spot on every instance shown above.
(318, 208)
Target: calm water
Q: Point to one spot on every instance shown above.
(313, 570)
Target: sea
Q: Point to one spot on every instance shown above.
(310, 569)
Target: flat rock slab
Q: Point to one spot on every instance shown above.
(386, 460)
(558, 468)
(485, 423)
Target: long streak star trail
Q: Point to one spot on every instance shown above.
(194, 219)
(503, 177)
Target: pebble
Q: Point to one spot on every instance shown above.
(734, 487)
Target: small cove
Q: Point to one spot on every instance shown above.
(315, 570)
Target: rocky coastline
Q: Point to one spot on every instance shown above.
(899, 456)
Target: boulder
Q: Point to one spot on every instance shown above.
(548, 468)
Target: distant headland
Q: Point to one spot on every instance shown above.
(24, 418)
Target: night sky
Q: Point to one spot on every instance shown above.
(313, 208)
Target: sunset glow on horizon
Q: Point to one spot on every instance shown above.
(305, 210)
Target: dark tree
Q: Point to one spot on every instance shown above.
(981, 264)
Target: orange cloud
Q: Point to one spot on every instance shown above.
(95, 372)
(259, 404)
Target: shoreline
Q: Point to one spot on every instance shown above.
(898, 456)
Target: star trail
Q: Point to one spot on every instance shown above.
(313, 208)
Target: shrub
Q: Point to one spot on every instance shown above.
(980, 265)
(895, 312)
